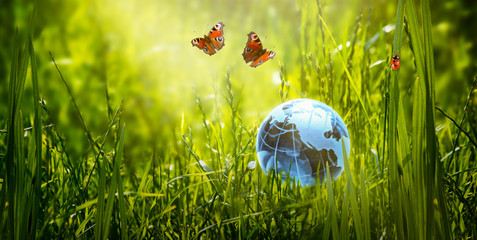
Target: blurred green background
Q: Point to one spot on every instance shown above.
(141, 51)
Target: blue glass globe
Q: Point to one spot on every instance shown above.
(299, 137)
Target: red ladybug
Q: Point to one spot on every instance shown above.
(395, 64)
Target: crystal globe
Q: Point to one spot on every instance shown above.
(299, 137)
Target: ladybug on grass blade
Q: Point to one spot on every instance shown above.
(395, 64)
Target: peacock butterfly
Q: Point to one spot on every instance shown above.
(213, 42)
(254, 52)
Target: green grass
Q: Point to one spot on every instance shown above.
(123, 168)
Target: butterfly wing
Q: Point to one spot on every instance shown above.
(263, 58)
(253, 48)
(198, 42)
(204, 44)
(216, 36)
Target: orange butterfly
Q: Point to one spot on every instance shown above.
(254, 52)
(213, 42)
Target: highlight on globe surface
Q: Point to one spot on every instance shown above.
(272, 119)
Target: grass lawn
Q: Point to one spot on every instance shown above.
(112, 126)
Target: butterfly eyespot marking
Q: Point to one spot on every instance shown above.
(254, 36)
(219, 39)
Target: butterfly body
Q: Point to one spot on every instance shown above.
(212, 42)
(254, 52)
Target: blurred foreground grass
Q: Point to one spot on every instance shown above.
(143, 136)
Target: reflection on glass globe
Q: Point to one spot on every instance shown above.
(299, 137)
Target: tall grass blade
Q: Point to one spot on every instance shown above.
(436, 170)
(21, 213)
(37, 130)
(344, 226)
(331, 220)
(394, 102)
(9, 190)
(357, 219)
(351, 81)
(80, 116)
(365, 207)
(121, 203)
(430, 167)
(100, 209)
